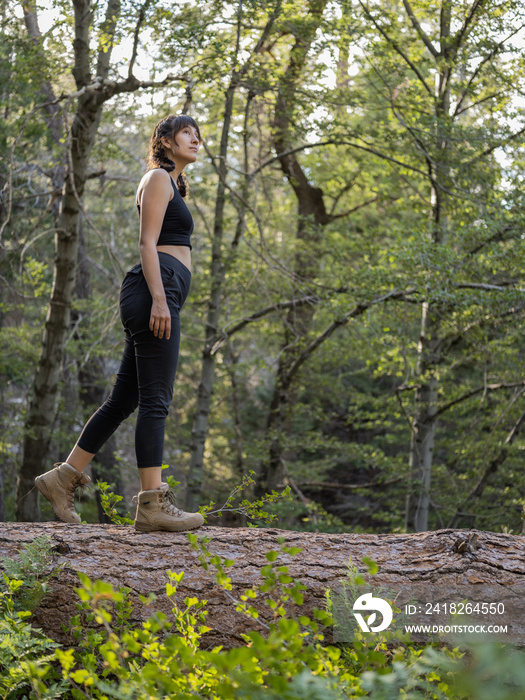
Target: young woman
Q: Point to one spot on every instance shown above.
(151, 297)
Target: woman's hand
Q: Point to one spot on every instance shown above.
(160, 319)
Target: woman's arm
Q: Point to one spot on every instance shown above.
(153, 199)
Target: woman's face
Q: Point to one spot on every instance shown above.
(185, 145)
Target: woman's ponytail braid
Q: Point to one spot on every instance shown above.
(182, 184)
(157, 158)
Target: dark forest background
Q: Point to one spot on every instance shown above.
(355, 324)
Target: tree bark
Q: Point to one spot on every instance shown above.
(200, 422)
(219, 264)
(93, 390)
(425, 420)
(428, 561)
(311, 217)
(39, 418)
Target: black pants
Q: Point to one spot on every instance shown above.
(147, 370)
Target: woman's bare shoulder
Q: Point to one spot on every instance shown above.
(155, 176)
(155, 181)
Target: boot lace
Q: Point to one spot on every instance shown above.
(80, 485)
(70, 491)
(72, 487)
(169, 504)
(77, 484)
(70, 495)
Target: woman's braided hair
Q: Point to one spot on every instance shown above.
(169, 127)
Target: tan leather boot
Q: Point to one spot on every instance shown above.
(58, 485)
(156, 510)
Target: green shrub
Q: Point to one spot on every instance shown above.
(26, 654)
(35, 567)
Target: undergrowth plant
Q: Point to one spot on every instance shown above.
(35, 566)
(109, 501)
(286, 658)
(256, 511)
(26, 654)
(28, 666)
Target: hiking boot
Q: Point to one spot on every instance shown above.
(156, 510)
(58, 485)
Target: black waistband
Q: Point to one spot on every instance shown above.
(172, 262)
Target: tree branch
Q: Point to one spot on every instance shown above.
(478, 390)
(106, 89)
(485, 287)
(498, 236)
(384, 156)
(488, 151)
(492, 468)
(136, 36)
(340, 142)
(398, 49)
(479, 67)
(238, 75)
(356, 487)
(356, 311)
(478, 102)
(423, 36)
(280, 306)
(462, 33)
(288, 152)
(226, 333)
(333, 217)
(107, 37)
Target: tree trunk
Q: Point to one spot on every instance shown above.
(424, 423)
(430, 563)
(37, 433)
(39, 418)
(311, 217)
(200, 421)
(219, 265)
(52, 112)
(93, 389)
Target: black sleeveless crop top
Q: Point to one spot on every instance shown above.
(177, 225)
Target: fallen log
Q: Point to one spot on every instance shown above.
(493, 563)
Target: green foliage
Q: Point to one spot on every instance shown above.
(163, 656)
(109, 500)
(26, 654)
(288, 658)
(485, 671)
(35, 567)
(249, 509)
(256, 510)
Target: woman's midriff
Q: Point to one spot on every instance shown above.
(181, 252)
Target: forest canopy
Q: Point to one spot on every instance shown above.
(355, 323)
